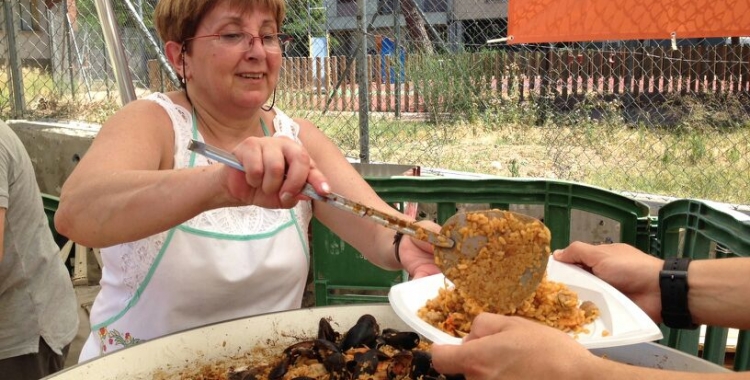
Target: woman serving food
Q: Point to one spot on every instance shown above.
(187, 241)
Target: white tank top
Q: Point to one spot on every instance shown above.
(222, 264)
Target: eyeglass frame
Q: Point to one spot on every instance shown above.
(283, 39)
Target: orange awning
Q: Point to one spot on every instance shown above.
(534, 21)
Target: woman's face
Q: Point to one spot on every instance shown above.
(233, 74)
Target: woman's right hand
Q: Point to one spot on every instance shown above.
(631, 271)
(276, 170)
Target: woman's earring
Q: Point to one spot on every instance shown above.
(182, 58)
(272, 102)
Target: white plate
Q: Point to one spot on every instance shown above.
(625, 322)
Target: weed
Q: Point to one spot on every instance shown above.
(514, 169)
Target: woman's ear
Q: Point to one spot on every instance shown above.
(175, 56)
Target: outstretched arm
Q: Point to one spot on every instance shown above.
(374, 241)
(717, 288)
(502, 347)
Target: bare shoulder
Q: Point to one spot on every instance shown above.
(140, 134)
(138, 115)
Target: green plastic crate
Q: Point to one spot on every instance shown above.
(51, 203)
(702, 230)
(342, 275)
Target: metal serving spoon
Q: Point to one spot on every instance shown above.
(336, 200)
(505, 283)
(499, 258)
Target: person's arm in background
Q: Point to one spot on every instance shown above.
(2, 232)
(717, 288)
(500, 347)
(4, 192)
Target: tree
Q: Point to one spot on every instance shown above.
(415, 27)
(88, 14)
(304, 18)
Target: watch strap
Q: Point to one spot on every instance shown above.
(673, 284)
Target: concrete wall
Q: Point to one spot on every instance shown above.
(55, 149)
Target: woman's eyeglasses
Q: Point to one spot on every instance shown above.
(243, 41)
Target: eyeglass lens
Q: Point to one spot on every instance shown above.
(245, 41)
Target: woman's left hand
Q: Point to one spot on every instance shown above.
(502, 347)
(417, 256)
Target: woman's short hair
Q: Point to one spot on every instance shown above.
(177, 20)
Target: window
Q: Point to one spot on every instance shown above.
(346, 8)
(386, 7)
(30, 15)
(431, 6)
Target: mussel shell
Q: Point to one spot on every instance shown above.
(326, 331)
(421, 365)
(299, 346)
(400, 365)
(364, 362)
(280, 369)
(363, 333)
(402, 340)
(247, 374)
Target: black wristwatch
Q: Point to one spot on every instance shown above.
(674, 294)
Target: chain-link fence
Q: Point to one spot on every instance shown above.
(633, 116)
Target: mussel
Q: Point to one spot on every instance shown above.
(326, 331)
(364, 351)
(363, 333)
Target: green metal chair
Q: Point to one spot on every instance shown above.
(704, 230)
(342, 275)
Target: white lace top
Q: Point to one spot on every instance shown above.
(222, 264)
(139, 255)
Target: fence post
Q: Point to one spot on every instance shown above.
(544, 84)
(745, 58)
(400, 65)
(736, 57)
(115, 50)
(363, 85)
(165, 66)
(67, 30)
(14, 64)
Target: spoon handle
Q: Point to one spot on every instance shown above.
(335, 200)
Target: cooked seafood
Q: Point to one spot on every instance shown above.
(518, 244)
(363, 352)
(499, 259)
(553, 304)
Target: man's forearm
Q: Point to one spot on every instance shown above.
(718, 290)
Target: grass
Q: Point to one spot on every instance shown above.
(694, 163)
(45, 99)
